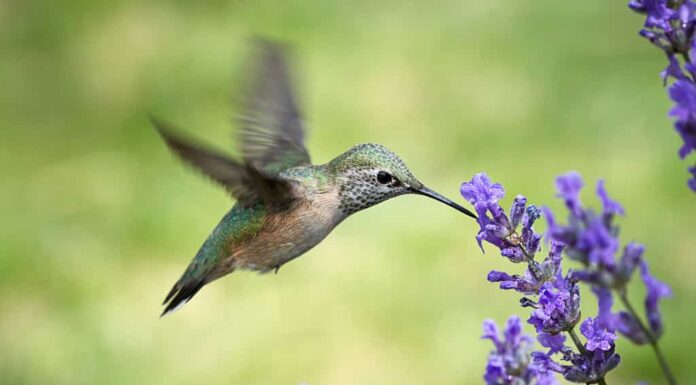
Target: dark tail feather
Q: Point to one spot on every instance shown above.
(179, 295)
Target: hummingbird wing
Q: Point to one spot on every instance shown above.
(272, 134)
(245, 182)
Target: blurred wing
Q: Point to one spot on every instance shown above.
(272, 130)
(243, 181)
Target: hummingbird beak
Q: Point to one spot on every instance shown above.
(432, 194)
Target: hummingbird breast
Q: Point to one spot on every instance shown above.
(287, 234)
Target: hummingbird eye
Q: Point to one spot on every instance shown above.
(383, 177)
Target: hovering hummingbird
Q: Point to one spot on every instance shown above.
(285, 204)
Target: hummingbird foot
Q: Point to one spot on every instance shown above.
(275, 270)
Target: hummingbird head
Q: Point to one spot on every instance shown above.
(368, 174)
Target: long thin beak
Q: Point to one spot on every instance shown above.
(432, 194)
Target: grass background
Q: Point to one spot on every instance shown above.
(98, 219)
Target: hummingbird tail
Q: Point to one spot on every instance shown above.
(180, 294)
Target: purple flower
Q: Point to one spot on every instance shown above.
(530, 283)
(545, 363)
(514, 254)
(598, 337)
(673, 70)
(484, 196)
(609, 206)
(605, 301)
(569, 186)
(597, 243)
(637, 5)
(685, 14)
(656, 290)
(558, 307)
(525, 284)
(590, 239)
(683, 93)
(670, 25)
(558, 233)
(630, 260)
(496, 227)
(658, 15)
(590, 368)
(555, 342)
(579, 368)
(599, 359)
(613, 275)
(629, 327)
(481, 193)
(692, 181)
(495, 371)
(517, 210)
(510, 363)
(530, 239)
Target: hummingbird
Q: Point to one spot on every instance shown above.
(285, 205)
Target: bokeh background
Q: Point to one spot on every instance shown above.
(98, 219)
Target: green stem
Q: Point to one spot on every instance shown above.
(687, 57)
(577, 342)
(651, 339)
(533, 268)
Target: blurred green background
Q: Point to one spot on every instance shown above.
(98, 219)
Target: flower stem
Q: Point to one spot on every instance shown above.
(533, 268)
(687, 58)
(651, 338)
(577, 342)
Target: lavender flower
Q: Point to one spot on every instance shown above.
(558, 308)
(605, 301)
(528, 283)
(496, 227)
(590, 368)
(482, 193)
(588, 237)
(555, 342)
(510, 362)
(592, 239)
(683, 93)
(568, 188)
(692, 181)
(670, 25)
(600, 357)
(658, 14)
(554, 297)
(501, 230)
(629, 326)
(590, 365)
(656, 290)
(598, 337)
